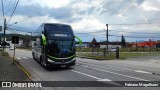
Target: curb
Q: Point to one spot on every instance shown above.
(22, 68)
(25, 71)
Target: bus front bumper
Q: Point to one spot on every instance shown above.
(68, 63)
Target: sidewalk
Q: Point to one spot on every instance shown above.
(11, 72)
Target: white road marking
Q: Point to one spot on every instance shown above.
(114, 73)
(87, 75)
(18, 58)
(25, 57)
(98, 79)
(140, 71)
(104, 79)
(111, 66)
(77, 64)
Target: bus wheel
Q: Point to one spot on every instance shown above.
(41, 61)
(33, 56)
(46, 66)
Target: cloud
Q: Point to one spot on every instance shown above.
(88, 24)
(37, 10)
(32, 22)
(46, 3)
(151, 5)
(87, 15)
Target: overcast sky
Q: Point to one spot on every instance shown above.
(88, 16)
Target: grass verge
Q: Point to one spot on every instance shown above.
(112, 56)
(4, 53)
(28, 48)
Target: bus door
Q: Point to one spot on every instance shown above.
(35, 46)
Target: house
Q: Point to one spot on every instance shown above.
(144, 44)
(94, 44)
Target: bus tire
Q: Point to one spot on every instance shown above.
(72, 64)
(33, 56)
(46, 66)
(41, 61)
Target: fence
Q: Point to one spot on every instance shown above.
(122, 52)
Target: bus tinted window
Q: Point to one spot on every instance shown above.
(61, 48)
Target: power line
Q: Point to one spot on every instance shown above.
(135, 36)
(89, 35)
(15, 29)
(90, 32)
(2, 9)
(136, 23)
(120, 31)
(22, 28)
(12, 7)
(13, 11)
(134, 32)
(93, 35)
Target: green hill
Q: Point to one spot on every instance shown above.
(21, 37)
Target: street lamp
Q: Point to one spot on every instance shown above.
(11, 24)
(5, 27)
(31, 38)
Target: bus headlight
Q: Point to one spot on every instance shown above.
(74, 59)
(49, 60)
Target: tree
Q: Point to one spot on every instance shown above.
(123, 41)
(26, 42)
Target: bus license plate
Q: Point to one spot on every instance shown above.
(63, 65)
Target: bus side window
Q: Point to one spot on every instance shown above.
(42, 32)
(41, 40)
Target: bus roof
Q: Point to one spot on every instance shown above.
(55, 24)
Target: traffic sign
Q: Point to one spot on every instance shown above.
(15, 39)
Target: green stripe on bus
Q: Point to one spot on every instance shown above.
(80, 41)
(60, 58)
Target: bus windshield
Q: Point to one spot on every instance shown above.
(61, 48)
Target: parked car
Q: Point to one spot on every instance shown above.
(11, 48)
(7, 45)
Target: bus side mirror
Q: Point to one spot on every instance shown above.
(43, 39)
(80, 41)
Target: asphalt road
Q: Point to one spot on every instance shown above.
(93, 70)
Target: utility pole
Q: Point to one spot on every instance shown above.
(107, 36)
(31, 39)
(4, 34)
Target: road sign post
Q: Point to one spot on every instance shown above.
(15, 40)
(14, 54)
(0, 28)
(117, 52)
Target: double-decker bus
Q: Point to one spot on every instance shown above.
(55, 45)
